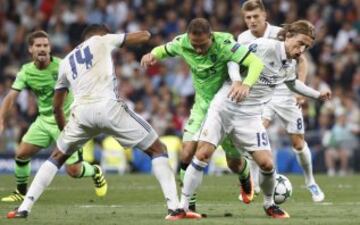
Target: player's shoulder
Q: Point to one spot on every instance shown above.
(246, 37)
(181, 39)
(263, 44)
(265, 41)
(27, 66)
(273, 31)
(224, 40)
(223, 37)
(55, 60)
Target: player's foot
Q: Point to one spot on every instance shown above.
(100, 182)
(316, 193)
(16, 196)
(276, 212)
(247, 189)
(193, 215)
(179, 214)
(15, 214)
(176, 214)
(257, 191)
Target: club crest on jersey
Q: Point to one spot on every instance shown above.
(235, 47)
(213, 58)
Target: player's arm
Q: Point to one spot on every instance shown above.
(161, 52)
(235, 77)
(7, 106)
(59, 99)
(244, 56)
(300, 88)
(113, 41)
(61, 90)
(136, 38)
(302, 71)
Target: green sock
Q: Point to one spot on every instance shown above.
(22, 173)
(245, 170)
(87, 170)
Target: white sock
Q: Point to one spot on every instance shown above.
(304, 159)
(254, 171)
(165, 175)
(42, 179)
(267, 184)
(192, 180)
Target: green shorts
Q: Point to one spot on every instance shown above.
(42, 133)
(193, 126)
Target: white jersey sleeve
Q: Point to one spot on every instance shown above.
(113, 40)
(62, 81)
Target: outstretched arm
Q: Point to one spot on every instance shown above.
(302, 72)
(137, 38)
(59, 99)
(158, 53)
(6, 107)
(299, 87)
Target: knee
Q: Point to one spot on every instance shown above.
(204, 151)
(234, 165)
(266, 165)
(73, 170)
(156, 149)
(22, 157)
(298, 143)
(186, 155)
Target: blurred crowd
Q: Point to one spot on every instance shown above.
(163, 93)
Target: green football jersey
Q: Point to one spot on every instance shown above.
(208, 71)
(42, 83)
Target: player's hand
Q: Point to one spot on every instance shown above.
(148, 60)
(325, 95)
(238, 91)
(300, 100)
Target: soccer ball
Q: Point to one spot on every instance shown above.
(283, 189)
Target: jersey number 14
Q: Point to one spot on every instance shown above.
(81, 56)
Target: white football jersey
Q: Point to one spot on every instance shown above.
(277, 70)
(88, 70)
(271, 32)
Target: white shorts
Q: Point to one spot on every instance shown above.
(288, 112)
(110, 117)
(245, 129)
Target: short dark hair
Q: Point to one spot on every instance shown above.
(298, 27)
(94, 29)
(252, 5)
(199, 26)
(36, 34)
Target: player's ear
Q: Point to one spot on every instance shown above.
(30, 50)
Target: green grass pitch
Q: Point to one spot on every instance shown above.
(137, 199)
